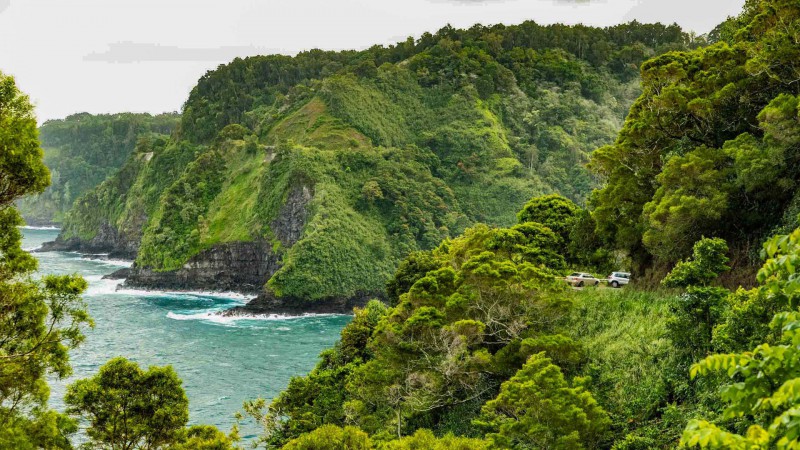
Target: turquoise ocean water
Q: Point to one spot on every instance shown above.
(222, 361)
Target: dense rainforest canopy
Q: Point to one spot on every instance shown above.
(373, 154)
(83, 150)
(711, 147)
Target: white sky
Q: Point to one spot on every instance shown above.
(105, 56)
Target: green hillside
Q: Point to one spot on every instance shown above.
(81, 151)
(383, 151)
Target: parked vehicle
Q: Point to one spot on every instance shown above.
(581, 279)
(619, 279)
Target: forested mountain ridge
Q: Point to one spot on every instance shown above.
(81, 151)
(325, 169)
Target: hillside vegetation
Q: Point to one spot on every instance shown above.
(83, 150)
(711, 147)
(484, 347)
(387, 150)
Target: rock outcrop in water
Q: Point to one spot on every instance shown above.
(107, 241)
(267, 303)
(119, 274)
(237, 266)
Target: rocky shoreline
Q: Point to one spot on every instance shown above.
(107, 241)
(83, 247)
(239, 267)
(266, 304)
(242, 267)
(40, 223)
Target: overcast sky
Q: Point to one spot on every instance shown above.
(106, 56)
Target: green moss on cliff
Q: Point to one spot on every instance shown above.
(341, 253)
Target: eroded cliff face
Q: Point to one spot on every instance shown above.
(107, 240)
(237, 266)
(234, 266)
(292, 218)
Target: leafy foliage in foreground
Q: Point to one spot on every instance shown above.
(762, 384)
(40, 319)
(711, 147)
(130, 408)
(43, 317)
(589, 369)
(474, 320)
(592, 369)
(537, 408)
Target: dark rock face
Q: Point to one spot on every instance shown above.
(266, 303)
(237, 266)
(288, 226)
(108, 240)
(120, 274)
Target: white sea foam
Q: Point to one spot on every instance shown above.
(31, 249)
(106, 261)
(242, 298)
(99, 286)
(206, 316)
(28, 227)
(216, 317)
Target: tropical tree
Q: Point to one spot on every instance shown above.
(710, 148)
(128, 408)
(425, 440)
(204, 437)
(553, 211)
(695, 314)
(708, 261)
(331, 437)
(537, 408)
(40, 319)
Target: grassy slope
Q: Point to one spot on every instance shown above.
(440, 162)
(623, 335)
(352, 242)
(236, 200)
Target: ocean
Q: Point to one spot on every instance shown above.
(222, 361)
